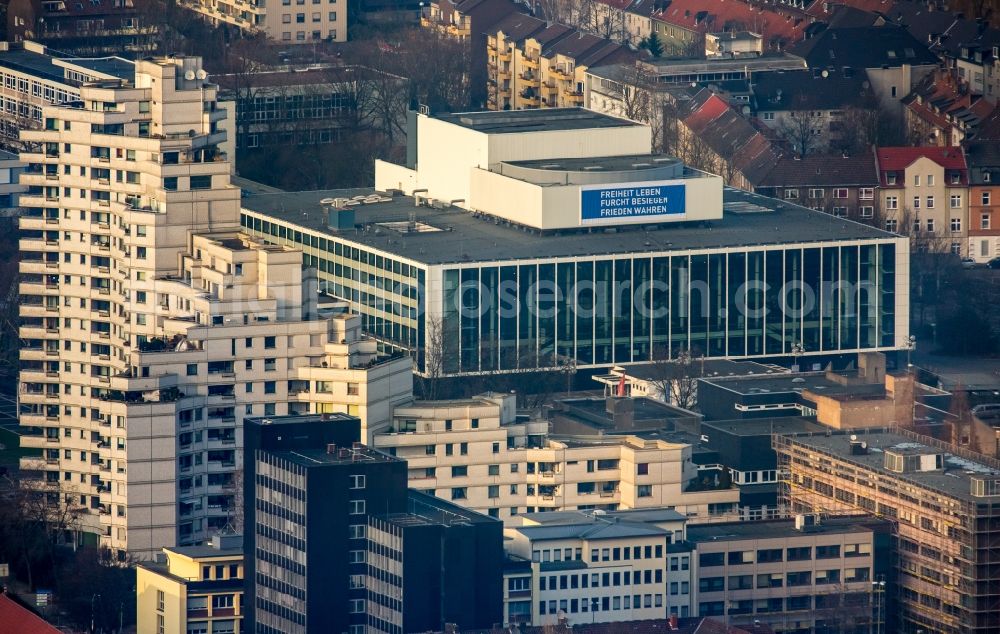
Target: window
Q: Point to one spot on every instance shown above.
(956, 224)
(357, 481)
(799, 554)
(799, 578)
(642, 468)
(857, 550)
(840, 192)
(828, 552)
(356, 557)
(356, 507)
(333, 16)
(930, 180)
(770, 580)
(930, 202)
(644, 490)
(707, 560)
(459, 472)
(493, 491)
(985, 198)
(160, 628)
(866, 193)
(916, 202)
(891, 202)
(867, 211)
(356, 531)
(201, 182)
(984, 221)
(159, 600)
(791, 194)
(357, 606)
(270, 342)
(890, 178)
(740, 557)
(930, 224)
(816, 193)
(192, 369)
(459, 493)
(891, 225)
(768, 116)
(840, 212)
(955, 201)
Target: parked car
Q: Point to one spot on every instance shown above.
(968, 263)
(993, 264)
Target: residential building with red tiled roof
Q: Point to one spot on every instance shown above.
(714, 137)
(17, 619)
(682, 24)
(942, 111)
(842, 185)
(924, 193)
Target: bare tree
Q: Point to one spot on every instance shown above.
(797, 128)
(676, 378)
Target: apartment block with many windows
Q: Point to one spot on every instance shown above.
(290, 21)
(478, 454)
(924, 193)
(152, 327)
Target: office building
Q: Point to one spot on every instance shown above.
(287, 22)
(339, 544)
(34, 77)
(477, 453)
(796, 575)
(425, 259)
(594, 566)
(146, 315)
(436, 563)
(941, 501)
(192, 589)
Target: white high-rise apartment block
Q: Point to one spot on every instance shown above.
(152, 327)
(478, 454)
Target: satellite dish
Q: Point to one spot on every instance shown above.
(864, 445)
(327, 201)
(201, 74)
(746, 111)
(854, 436)
(189, 75)
(825, 74)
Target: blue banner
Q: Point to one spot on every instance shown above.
(632, 202)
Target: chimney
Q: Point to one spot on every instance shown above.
(331, 449)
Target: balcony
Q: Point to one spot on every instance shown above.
(573, 96)
(530, 62)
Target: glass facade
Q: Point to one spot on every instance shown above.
(598, 311)
(385, 291)
(837, 298)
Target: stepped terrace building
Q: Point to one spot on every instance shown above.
(515, 241)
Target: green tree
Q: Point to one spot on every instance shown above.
(652, 44)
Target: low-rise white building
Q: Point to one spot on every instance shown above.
(591, 566)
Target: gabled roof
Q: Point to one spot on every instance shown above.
(823, 170)
(15, 618)
(810, 90)
(518, 27)
(942, 30)
(897, 159)
(864, 47)
(941, 101)
(983, 156)
(778, 24)
(728, 134)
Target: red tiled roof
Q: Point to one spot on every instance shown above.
(16, 619)
(711, 16)
(897, 159)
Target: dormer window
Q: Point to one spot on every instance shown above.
(986, 176)
(890, 178)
